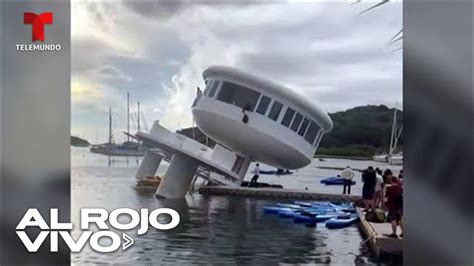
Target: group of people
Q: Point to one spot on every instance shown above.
(375, 183)
(380, 190)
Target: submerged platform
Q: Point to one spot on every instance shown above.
(276, 193)
(377, 237)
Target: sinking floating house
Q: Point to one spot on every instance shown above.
(251, 119)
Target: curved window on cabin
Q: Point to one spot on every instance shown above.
(303, 127)
(275, 111)
(263, 105)
(208, 86)
(288, 117)
(319, 138)
(296, 122)
(312, 132)
(213, 89)
(237, 95)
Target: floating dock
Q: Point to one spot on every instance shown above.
(276, 193)
(377, 237)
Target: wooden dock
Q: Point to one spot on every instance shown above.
(377, 239)
(276, 193)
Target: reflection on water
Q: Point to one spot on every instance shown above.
(213, 230)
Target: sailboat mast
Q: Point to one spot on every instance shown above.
(394, 132)
(128, 116)
(110, 125)
(399, 133)
(138, 122)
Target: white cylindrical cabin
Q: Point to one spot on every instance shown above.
(259, 119)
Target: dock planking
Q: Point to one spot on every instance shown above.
(377, 239)
(276, 193)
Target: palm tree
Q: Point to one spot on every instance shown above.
(398, 37)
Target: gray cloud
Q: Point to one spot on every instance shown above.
(326, 51)
(165, 9)
(97, 15)
(156, 10)
(111, 72)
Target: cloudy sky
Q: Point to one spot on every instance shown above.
(328, 52)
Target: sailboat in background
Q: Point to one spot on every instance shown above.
(127, 148)
(391, 157)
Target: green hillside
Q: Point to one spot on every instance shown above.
(360, 131)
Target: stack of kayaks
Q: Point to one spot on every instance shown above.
(334, 180)
(310, 213)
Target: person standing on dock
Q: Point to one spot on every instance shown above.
(347, 174)
(400, 177)
(394, 204)
(256, 174)
(387, 175)
(368, 189)
(379, 187)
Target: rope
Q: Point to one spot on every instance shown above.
(365, 241)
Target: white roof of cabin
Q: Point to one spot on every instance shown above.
(273, 89)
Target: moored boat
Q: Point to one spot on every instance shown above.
(334, 180)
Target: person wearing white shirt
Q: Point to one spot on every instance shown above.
(256, 174)
(379, 186)
(347, 174)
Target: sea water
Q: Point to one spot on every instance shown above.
(215, 229)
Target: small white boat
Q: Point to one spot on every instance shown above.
(380, 158)
(393, 159)
(396, 159)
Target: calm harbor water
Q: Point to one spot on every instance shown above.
(214, 230)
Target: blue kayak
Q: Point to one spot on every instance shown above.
(347, 207)
(325, 217)
(288, 208)
(304, 203)
(341, 222)
(319, 211)
(343, 205)
(311, 203)
(300, 218)
(273, 209)
(287, 214)
(288, 205)
(325, 206)
(316, 211)
(334, 180)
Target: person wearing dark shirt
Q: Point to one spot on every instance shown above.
(368, 189)
(394, 194)
(387, 175)
(400, 177)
